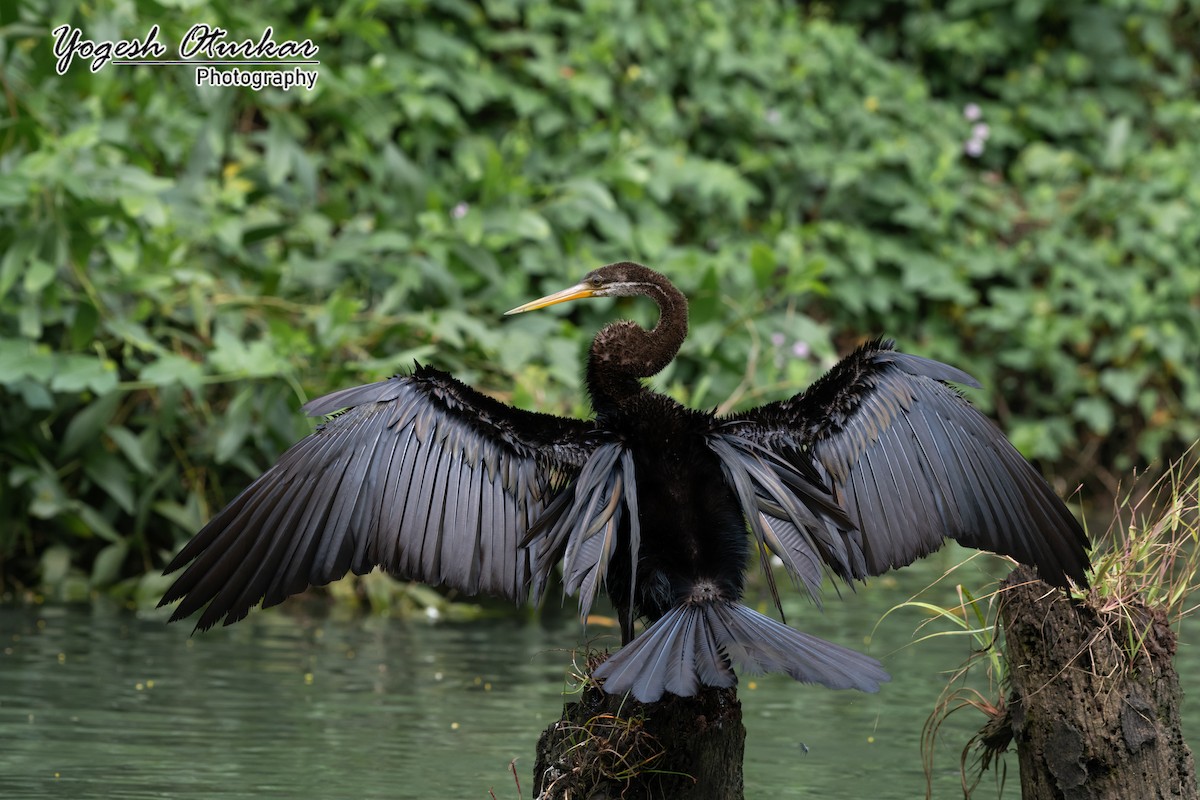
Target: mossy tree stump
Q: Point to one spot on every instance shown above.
(609, 746)
(1094, 703)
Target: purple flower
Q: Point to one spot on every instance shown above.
(981, 131)
(973, 148)
(800, 350)
(972, 111)
(460, 210)
(778, 339)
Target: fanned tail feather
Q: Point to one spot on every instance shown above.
(696, 643)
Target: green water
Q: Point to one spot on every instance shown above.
(101, 703)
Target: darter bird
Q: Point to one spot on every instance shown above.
(868, 469)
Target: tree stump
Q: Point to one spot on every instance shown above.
(1094, 703)
(608, 746)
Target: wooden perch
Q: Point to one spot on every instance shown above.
(1094, 703)
(611, 746)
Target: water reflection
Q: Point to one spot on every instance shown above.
(99, 703)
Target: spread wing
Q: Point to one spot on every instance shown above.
(911, 462)
(420, 475)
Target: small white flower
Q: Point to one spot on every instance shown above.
(981, 131)
(972, 111)
(800, 349)
(773, 116)
(973, 148)
(460, 210)
(777, 339)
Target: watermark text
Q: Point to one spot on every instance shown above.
(219, 59)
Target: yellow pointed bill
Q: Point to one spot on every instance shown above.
(576, 292)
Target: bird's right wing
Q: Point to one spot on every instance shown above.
(420, 475)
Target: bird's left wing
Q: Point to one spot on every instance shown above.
(908, 459)
(420, 475)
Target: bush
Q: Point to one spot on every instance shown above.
(1069, 263)
(181, 265)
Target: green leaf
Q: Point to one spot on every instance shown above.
(762, 264)
(108, 472)
(34, 395)
(49, 498)
(14, 189)
(20, 358)
(15, 261)
(186, 517)
(1115, 145)
(1122, 384)
(278, 151)
(55, 565)
(133, 448)
(76, 373)
(96, 523)
(170, 369)
(135, 334)
(106, 569)
(236, 424)
(1096, 413)
(85, 426)
(38, 276)
(531, 225)
(234, 357)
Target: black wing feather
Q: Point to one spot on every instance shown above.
(912, 462)
(420, 475)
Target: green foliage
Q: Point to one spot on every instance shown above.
(180, 266)
(1067, 275)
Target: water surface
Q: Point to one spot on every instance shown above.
(96, 702)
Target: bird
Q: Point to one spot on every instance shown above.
(661, 506)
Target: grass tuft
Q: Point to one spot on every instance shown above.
(1152, 549)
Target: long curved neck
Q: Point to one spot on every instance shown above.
(624, 352)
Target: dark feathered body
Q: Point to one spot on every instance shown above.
(692, 529)
(657, 504)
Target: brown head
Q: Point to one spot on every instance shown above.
(623, 351)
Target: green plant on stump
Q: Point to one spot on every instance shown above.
(1155, 547)
(1148, 562)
